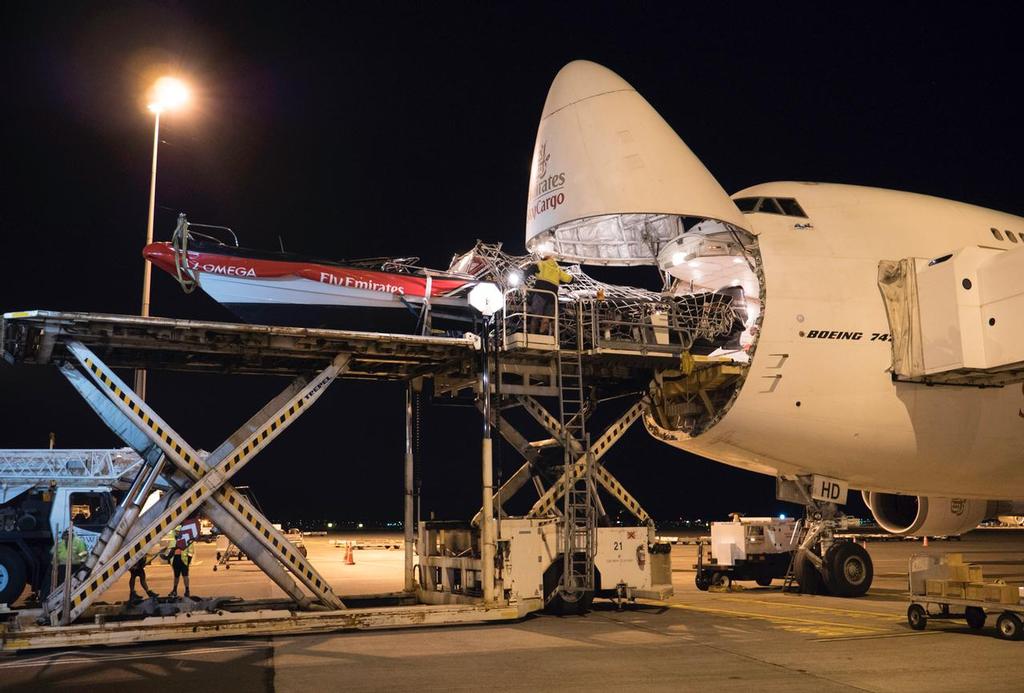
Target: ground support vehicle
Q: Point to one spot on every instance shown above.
(227, 551)
(759, 549)
(556, 390)
(923, 607)
(629, 563)
(44, 491)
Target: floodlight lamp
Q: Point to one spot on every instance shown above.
(486, 298)
(169, 93)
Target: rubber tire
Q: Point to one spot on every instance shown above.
(702, 581)
(1009, 626)
(808, 577)
(975, 617)
(558, 606)
(14, 567)
(722, 580)
(763, 580)
(917, 617)
(844, 559)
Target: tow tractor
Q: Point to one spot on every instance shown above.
(748, 548)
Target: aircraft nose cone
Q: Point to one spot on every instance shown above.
(580, 80)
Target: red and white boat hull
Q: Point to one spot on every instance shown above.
(265, 290)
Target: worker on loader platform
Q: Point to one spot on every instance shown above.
(60, 556)
(548, 275)
(138, 572)
(180, 556)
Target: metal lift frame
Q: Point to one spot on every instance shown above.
(43, 337)
(208, 480)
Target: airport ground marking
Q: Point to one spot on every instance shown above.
(856, 613)
(56, 659)
(779, 620)
(883, 636)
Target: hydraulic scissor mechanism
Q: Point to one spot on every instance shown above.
(197, 480)
(567, 492)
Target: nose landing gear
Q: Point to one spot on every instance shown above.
(824, 564)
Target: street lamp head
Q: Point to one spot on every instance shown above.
(169, 93)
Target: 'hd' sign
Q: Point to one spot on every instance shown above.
(824, 488)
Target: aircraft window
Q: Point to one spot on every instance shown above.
(1009, 234)
(768, 206)
(790, 207)
(746, 204)
(995, 232)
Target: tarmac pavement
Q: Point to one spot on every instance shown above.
(750, 639)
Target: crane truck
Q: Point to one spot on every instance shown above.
(41, 493)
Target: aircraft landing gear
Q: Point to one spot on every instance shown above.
(849, 569)
(824, 564)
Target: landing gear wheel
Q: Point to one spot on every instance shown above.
(849, 569)
(12, 575)
(702, 581)
(808, 577)
(1009, 626)
(763, 580)
(721, 580)
(975, 616)
(917, 617)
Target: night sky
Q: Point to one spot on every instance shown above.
(362, 129)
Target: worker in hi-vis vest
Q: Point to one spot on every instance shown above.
(548, 275)
(61, 555)
(179, 554)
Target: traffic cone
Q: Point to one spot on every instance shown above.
(925, 542)
(349, 558)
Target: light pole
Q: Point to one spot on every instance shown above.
(487, 299)
(169, 93)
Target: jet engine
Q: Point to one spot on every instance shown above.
(930, 515)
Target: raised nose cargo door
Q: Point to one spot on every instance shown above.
(611, 182)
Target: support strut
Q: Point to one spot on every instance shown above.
(238, 451)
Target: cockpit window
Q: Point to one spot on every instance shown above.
(1009, 234)
(790, 207)
(771, 205)
(746, 204)
(995, 232)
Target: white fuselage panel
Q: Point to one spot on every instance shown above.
(819, 396)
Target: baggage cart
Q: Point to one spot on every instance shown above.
(924, 606)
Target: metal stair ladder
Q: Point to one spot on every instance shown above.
(580, 516)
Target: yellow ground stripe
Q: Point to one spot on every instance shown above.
(856, 613)
(780, 620)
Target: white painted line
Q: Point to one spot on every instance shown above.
(58, 659)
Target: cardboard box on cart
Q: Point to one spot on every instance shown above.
(976, 591)
(1003, 594)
